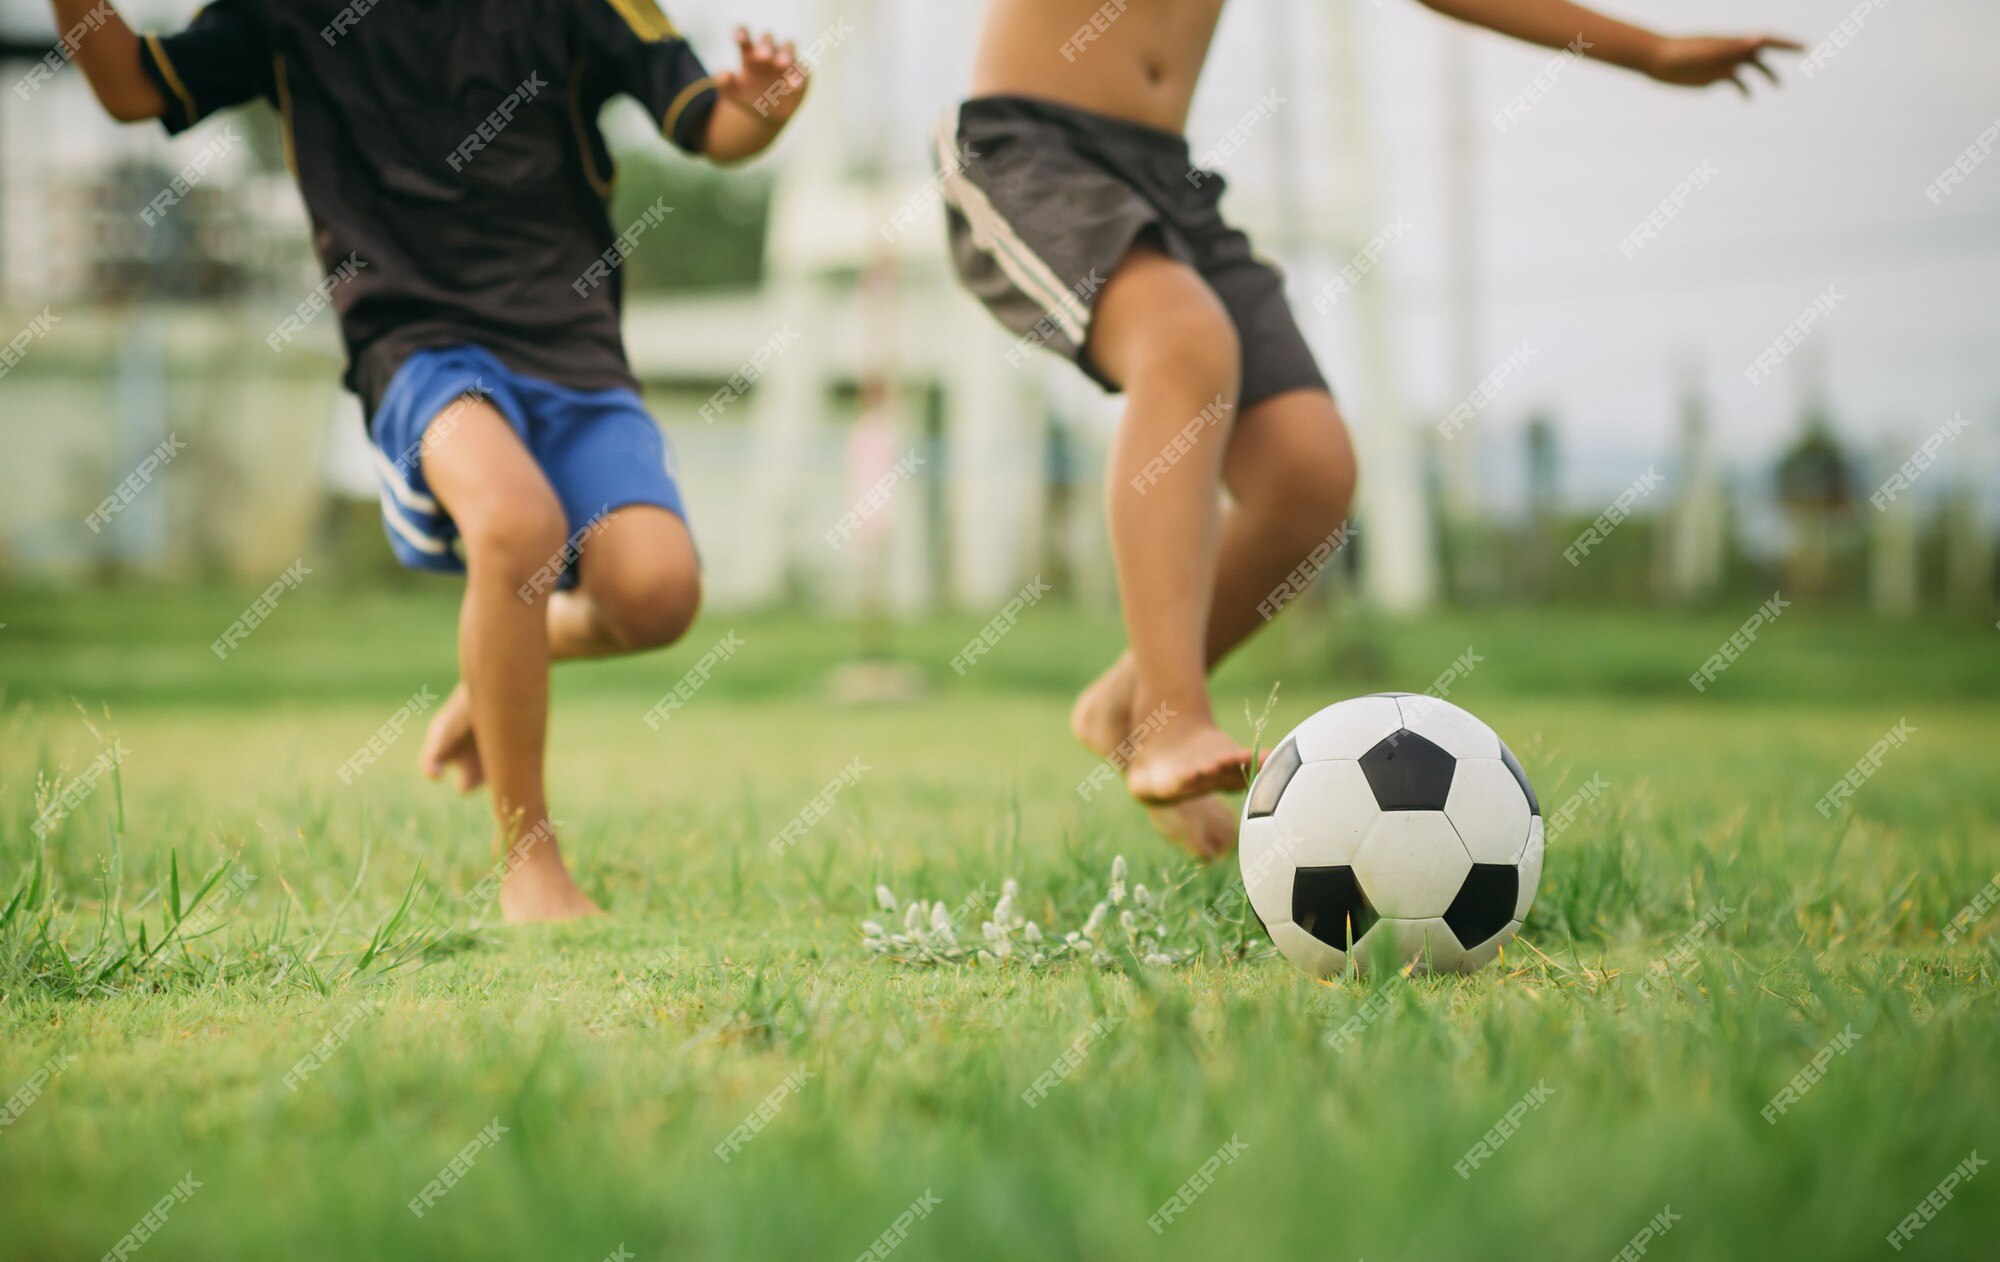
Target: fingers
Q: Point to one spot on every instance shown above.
(759, 51)
(1777, 41)
(1757, 60)
(1736, 77)
(766, 61)
(765, 53)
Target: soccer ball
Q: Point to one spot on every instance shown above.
(1391, 828)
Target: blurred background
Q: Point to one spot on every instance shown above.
(1549, 295)
(1621, 360)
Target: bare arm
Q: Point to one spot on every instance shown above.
(1690, 62)
(756, 101)
(109, 57)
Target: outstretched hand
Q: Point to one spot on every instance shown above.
(1697, 61)
(771, 81)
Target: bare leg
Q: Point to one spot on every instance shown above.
(1291, 471)
(1290, 468)
(1160, 332)
(640, 590)
(512, 525)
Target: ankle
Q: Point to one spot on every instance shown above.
(545, 871)
(525, 845)
(1153, 709)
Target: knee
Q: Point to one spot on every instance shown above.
(648, 610)
(516, 538)
(1324, 489)
(1196, 345)
(1316, 483)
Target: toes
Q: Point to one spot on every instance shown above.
(431, 759)
(434, 761)
(1223, 775)
(1226, 764)
(1204, 827)
(1160, 792)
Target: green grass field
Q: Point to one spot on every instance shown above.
(618, 1055)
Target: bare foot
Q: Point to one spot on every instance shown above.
(449, 743)
(534, 895)
(1187, 759)
(1102, 715)
(1102, 718)
(1205, 827)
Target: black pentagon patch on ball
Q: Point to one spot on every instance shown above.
(1328, 904)
(1278, 771)
(1485, 903)
(1520, 777)
(1408, 773)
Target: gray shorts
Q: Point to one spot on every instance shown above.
(1044, 201)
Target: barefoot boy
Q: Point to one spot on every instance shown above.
(449, 156)
(1077, 216)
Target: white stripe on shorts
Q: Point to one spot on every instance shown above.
(411, 535)
(405, 494)
(992, 233)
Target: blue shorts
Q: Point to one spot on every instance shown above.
(599, 449)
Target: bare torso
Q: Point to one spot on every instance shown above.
(1137, 62)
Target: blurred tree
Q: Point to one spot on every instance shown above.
(1815, 483)
(1968, 550)
(1893, 566)
(1536, 576)
(715, 237)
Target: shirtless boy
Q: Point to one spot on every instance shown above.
(1077, 216)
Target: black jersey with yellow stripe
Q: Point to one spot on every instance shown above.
(450, 159)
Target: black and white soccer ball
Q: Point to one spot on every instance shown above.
(1393, 827)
